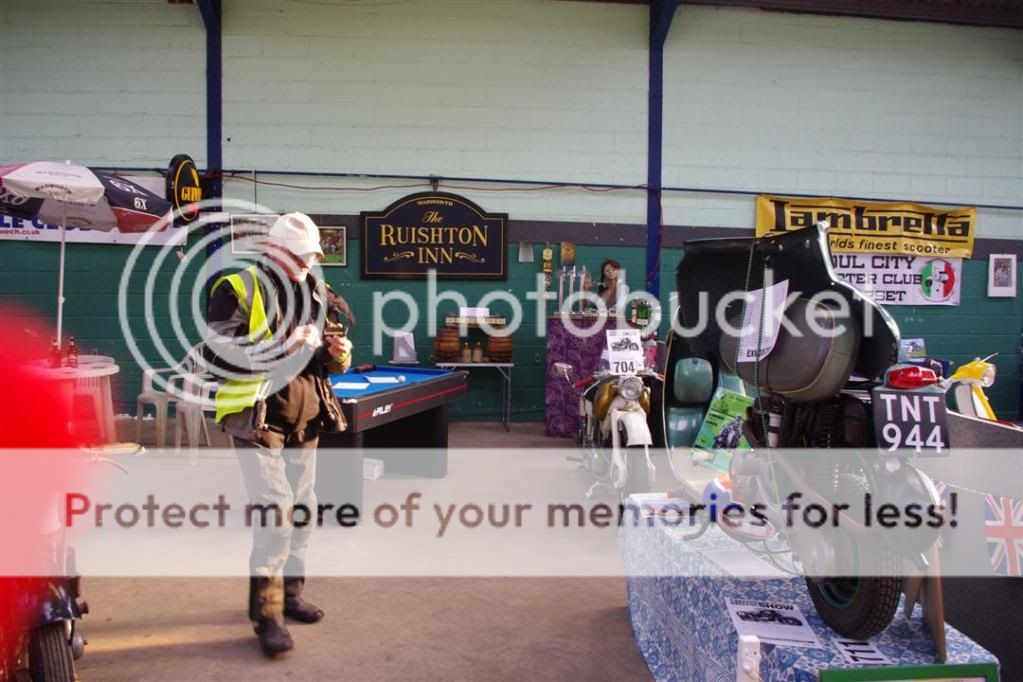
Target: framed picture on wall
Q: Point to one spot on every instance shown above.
(1001, 275)
(249, 230)
(333, 241)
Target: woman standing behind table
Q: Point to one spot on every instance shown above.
(612, 289)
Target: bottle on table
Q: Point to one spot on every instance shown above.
(72, 353)
(54, 357)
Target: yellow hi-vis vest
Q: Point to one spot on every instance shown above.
(236, 395)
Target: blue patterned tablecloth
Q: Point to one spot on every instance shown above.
(682, 627)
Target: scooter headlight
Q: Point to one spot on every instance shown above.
(631, 388)
(988, 379)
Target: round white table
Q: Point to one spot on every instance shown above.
(79, 379)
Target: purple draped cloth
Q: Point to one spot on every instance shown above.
(561, 404)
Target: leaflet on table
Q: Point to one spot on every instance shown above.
(383, 380)
(721, 432)
(772, 622)
(351, 386)
(659, 504)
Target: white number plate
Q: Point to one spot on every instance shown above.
(911, 420)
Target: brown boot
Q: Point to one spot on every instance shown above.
(294, 606)
(266, 610)
(274, 638)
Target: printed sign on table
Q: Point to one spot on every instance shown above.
(902, 280)
(860, 652)
(772, 622)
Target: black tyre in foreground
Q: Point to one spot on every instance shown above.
(49, 655)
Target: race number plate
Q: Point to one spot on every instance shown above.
(911, 420)
(624, 351)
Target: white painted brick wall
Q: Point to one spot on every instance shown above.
(530, 89)
(114, 83)
(537, 89)
(828, 105)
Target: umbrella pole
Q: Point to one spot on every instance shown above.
(60, 288)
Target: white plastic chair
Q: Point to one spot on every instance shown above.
(160, 400)
(201, 386)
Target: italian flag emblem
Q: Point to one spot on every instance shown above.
(938, 280)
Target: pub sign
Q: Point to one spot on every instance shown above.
(434, 231)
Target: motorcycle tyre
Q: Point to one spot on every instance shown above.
(638, 480)
(875, 599)
(870, 611)
(49, 654)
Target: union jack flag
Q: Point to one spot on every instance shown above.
(1003, 530)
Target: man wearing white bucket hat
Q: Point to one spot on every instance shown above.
(268, 338)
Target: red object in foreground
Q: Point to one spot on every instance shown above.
(32, 416)
(910, 377)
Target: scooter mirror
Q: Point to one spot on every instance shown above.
(562, 369)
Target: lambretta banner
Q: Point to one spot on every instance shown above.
(902, 280)
(874, 227)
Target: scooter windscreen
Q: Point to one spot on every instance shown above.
(711, 269)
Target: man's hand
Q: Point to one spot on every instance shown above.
(339, 348)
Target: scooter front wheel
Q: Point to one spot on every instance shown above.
(49, 654)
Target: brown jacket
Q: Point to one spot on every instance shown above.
(226, 318)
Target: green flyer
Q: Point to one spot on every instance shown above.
(721, 431)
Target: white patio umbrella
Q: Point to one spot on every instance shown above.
(65, 194)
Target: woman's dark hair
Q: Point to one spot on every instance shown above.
(613, 263)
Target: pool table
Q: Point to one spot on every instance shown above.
(408, 410)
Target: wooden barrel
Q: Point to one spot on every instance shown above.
(499, 348)
(446, 347)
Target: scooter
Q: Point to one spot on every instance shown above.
(967, 385)
(826, 384)
(614, 434)
(53, 640)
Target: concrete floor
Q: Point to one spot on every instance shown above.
(377, 628)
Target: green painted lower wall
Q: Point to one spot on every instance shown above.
(979, 326)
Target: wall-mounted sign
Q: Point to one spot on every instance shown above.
(183, 187)
(35, 230)
(434, 231)
(874, 227)
(902, 280)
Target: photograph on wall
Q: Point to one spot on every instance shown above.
(333, 241)
(1001, 275)
(249, 230)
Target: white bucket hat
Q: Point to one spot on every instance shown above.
(297, 233)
